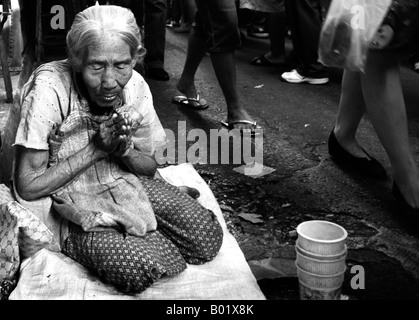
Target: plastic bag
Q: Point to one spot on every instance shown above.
(348, 30)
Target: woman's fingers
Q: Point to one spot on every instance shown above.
(115, 133)
(382, 38)
(124, 122)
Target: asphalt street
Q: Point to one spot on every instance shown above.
(299, 182)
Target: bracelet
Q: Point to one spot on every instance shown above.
(128, 150)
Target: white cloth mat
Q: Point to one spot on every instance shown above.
(50, 275)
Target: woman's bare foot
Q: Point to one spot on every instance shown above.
(187, 88)
(192, 192)
(237, 115)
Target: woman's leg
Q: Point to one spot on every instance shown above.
(225, 70)
(193, 229)
(197, 47)
(351, 110)
(131, 264)
(385, 104)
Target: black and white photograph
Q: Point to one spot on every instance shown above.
(215, 157)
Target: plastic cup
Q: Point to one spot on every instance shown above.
(320, 256)
(321, 237)
(321, 267)
(317, 281)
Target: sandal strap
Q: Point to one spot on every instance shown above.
(253, 123)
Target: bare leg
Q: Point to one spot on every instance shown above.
(225, 70)
(196, 50)
(385, 104)
(351, 110)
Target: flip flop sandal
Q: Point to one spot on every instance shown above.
(193, 103)
(230, 126)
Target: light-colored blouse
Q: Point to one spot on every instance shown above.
(104, 195)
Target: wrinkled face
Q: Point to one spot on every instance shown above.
(107, 69)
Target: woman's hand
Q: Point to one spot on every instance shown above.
(114, 135)
(382, 37)
(132, 116)
(129, 120)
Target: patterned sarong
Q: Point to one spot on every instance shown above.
(186, 232)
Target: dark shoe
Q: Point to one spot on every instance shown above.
(157, 74)
(369, 167)
(409, 212)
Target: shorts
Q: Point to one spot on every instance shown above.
(216, 21)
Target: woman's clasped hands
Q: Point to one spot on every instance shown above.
(115, 134)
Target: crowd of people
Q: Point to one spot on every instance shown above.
(88, 129)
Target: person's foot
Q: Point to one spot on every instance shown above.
(295, 77)
(236, 118)
(157, 74)
(190, 191)
(189, 96)
(348, 154)
(351, 146)
(186, 87)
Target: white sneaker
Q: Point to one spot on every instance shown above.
(294, 77)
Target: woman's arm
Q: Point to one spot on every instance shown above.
(139, 164)
(34, 179)
(136, 162)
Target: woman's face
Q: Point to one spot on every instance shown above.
(107, 69)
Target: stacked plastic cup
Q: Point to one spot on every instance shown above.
(321, 254)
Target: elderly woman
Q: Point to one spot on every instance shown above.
(85, 142)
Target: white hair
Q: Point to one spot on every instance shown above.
(92, 23)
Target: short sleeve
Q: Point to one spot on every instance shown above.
(150, 136)
(41, 102)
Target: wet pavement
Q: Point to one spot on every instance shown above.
(263, 212)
